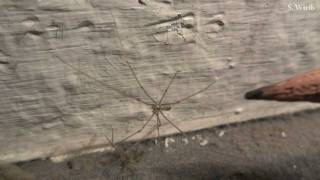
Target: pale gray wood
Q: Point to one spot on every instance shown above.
(47, 108)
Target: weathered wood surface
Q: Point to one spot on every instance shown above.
(47, 108)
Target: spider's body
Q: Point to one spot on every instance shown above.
(156, 108)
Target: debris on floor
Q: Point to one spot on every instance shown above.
(221, 133)
(185, 141)
(168, 141)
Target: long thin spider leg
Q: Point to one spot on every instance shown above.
(158, 126)
(101, 82)
(139, 83)
(191, 95)
(158, 130)
(166, 118)
(110, 141)
(166, 90)
(146, 135)
(139, 130)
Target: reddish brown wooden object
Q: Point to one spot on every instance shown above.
(304, 87)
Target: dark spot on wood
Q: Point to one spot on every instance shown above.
(4, 62)
(166, 2)
(32, 18)
(215, 21)
(141, 2)
(35, 32)
(70, 165)
(86, 23)
(188, 26)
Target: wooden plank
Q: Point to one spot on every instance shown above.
(48, 108)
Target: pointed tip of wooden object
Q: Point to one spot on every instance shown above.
(254, 94)
(303, 87)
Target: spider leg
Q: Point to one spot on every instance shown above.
(101, 82)
(139, 83)
(110, 142)
(158, 126)
(167, 88)
(158, 129)
(193, 94)
(166, 118)
(139, 130)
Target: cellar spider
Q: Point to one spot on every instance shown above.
(158, 106)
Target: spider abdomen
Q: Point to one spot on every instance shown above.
(162, 107)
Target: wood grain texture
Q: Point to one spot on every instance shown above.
(48, 108)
